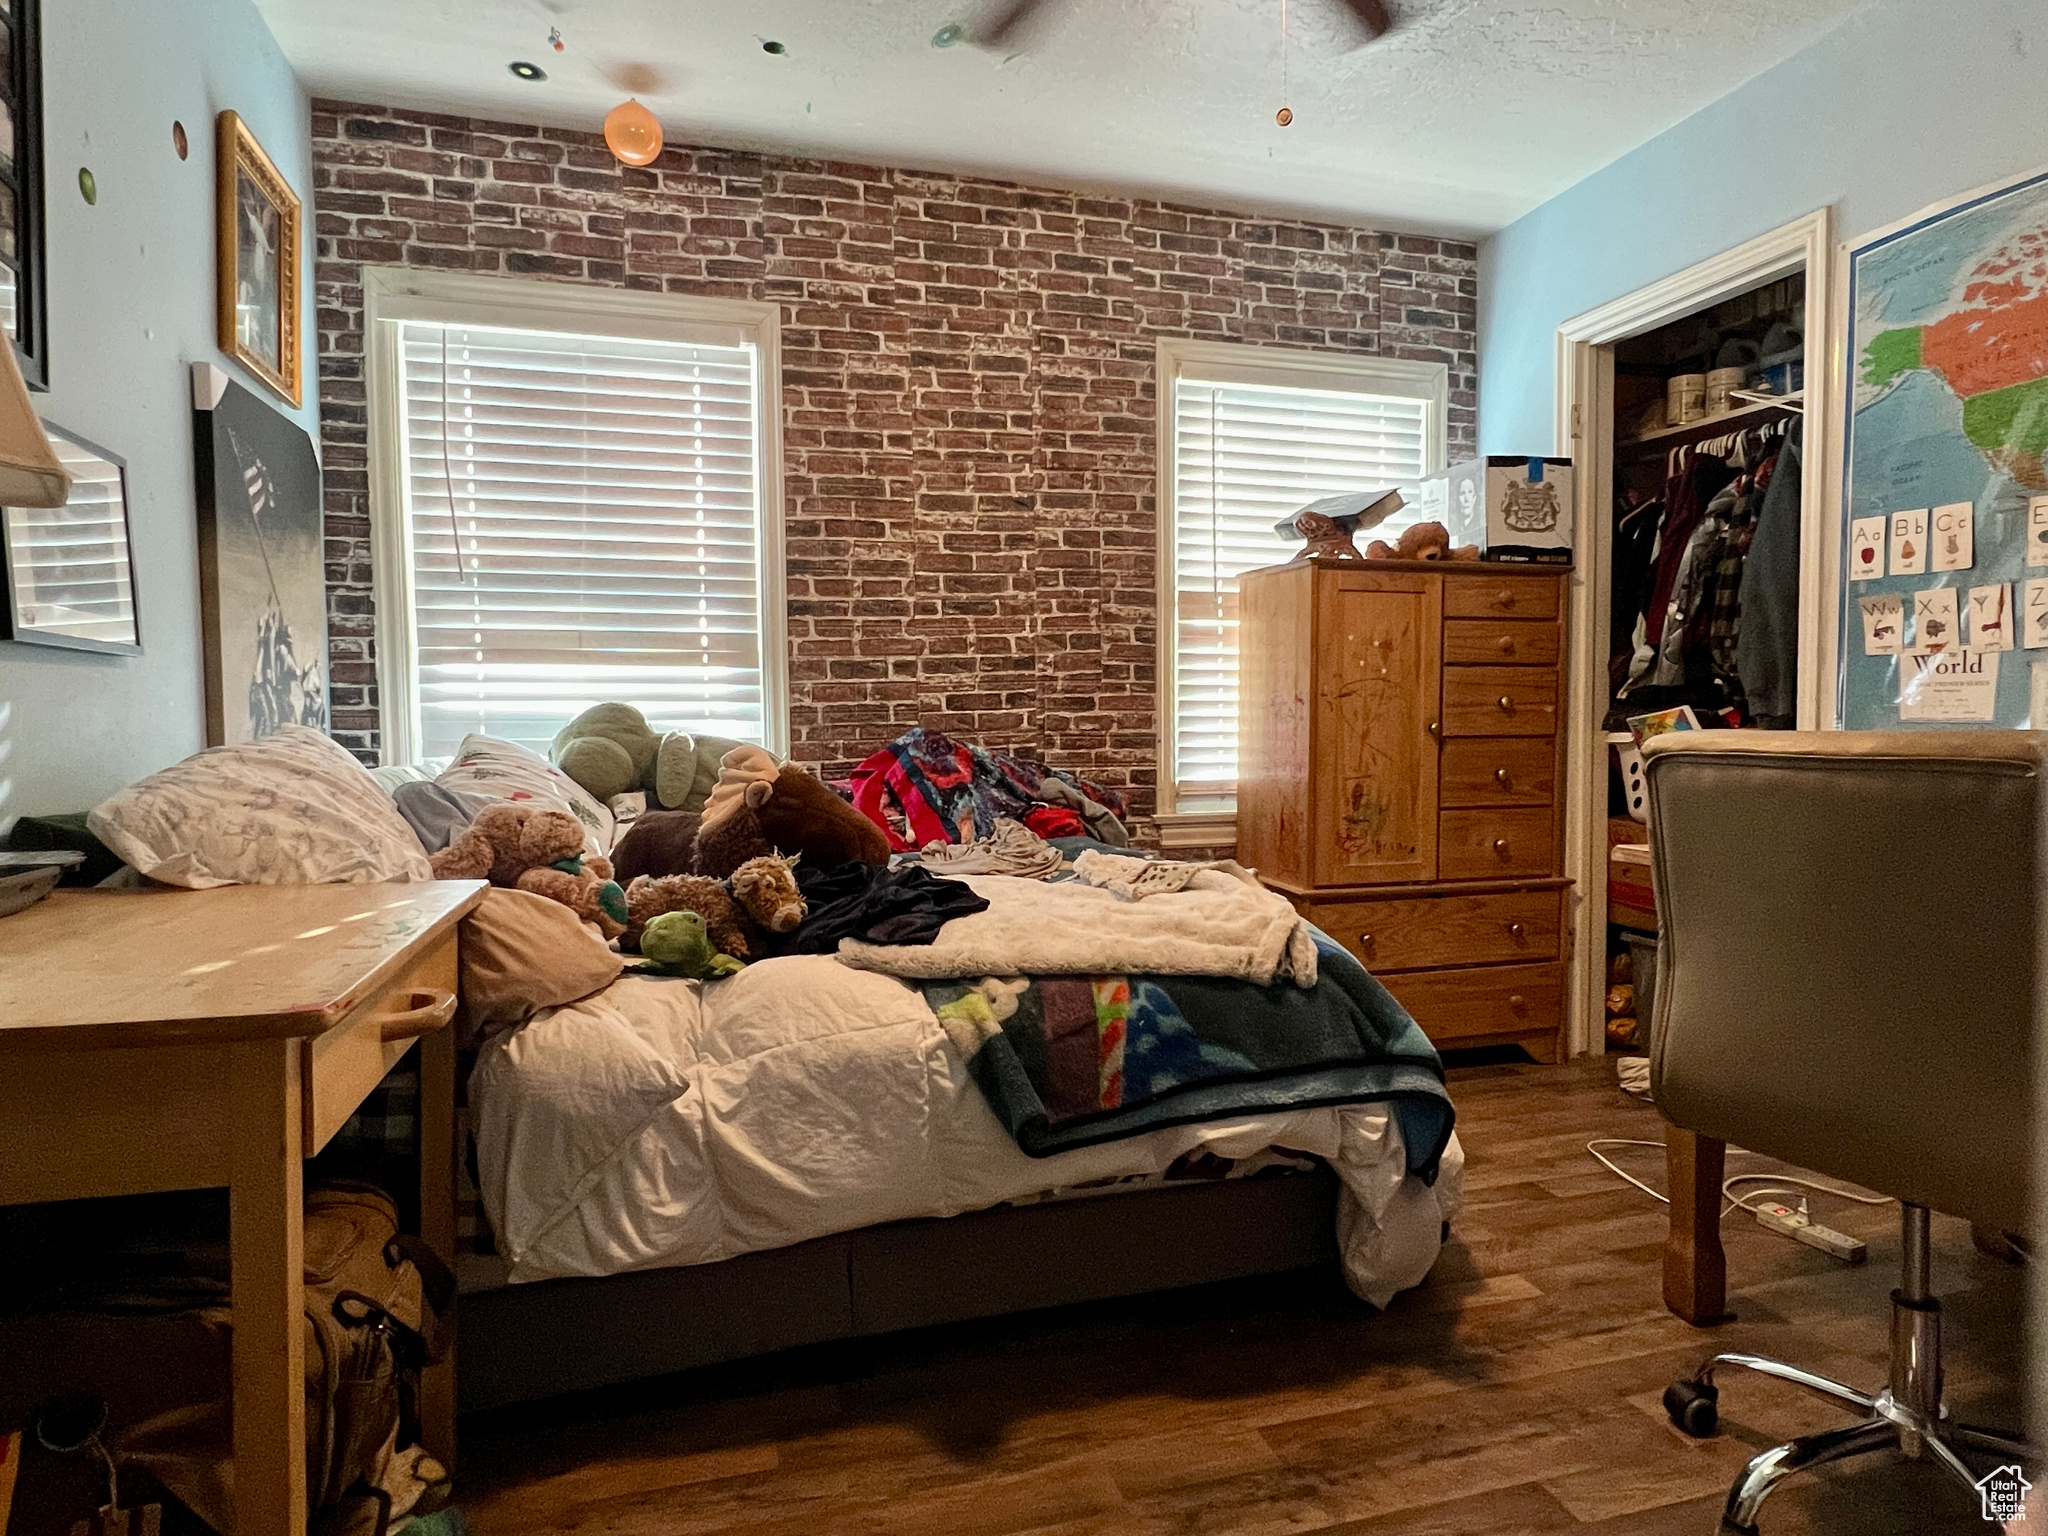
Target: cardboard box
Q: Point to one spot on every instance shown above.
(1517, 509)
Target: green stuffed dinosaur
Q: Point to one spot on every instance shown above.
(676, 944)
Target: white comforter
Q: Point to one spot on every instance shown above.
(668, 1122)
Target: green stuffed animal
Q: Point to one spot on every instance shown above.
(610, 749)
(677, 945)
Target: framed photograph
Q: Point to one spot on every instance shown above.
(262, 572)
(259, 260)
(22, 302)
(70, 577)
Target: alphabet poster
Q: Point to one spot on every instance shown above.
(1946, 451)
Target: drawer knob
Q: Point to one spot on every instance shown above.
(1365, 941)
(1433, 727)
(1500, 777)
(1507, 704)
(1507, 645)
(1515, 930)
(1500, 846)
(1518, 1003)
(1506, 598)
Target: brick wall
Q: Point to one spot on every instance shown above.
(968, 395)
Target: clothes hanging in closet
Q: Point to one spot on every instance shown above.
(1680, 575)
(1698, 480)
(1767, 650)
(1630, 574)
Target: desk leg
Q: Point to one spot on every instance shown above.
(1695, 1268)
(437, 1225)
(267, 1240)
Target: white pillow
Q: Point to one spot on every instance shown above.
(391, 775)
(504, 770)
(290, 809)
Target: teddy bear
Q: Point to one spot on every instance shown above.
(761, 895)
(1424, 541)
(610, 749)
(531, 847)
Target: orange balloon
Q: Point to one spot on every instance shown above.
(633, 133)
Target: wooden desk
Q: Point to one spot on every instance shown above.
(156, 1040)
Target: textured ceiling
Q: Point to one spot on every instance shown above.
(1465, 116)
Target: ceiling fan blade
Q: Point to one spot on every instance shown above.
(1005, 22)
(1372, 15)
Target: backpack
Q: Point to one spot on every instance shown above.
(378, 1310)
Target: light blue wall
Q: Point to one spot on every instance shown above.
(131, 304)
(1908, 102)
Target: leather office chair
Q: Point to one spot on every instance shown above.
(1848, 977)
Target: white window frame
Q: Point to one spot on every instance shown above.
(394, 294)
(1213, 823)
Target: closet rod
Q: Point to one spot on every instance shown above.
(1665, 439)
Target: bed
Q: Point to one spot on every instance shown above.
(678, 1174)
(830, 1145)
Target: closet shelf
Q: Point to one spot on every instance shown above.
(1713, 426)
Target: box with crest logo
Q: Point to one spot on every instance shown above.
(1513, 508)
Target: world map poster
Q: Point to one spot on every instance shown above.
(1947, 443)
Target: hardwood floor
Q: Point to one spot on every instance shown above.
(1515, 1392)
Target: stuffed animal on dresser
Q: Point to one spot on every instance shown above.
(1424, 541)
(528, 847)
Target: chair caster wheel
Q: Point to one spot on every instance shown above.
(1691, 1408)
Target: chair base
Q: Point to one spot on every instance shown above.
(1907, 1416)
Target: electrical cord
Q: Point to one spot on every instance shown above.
(1619, 1172)
(1728, 1189)
(1727, 1185)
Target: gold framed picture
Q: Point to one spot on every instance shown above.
(258, 235)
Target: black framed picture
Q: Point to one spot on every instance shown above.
(262, 569)
(70, 573)
(23, 306)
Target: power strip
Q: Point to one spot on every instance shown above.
(1797, 1224)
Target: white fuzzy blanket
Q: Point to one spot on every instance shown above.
(1219, 926)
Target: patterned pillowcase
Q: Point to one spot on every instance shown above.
(504, 770)
(291, 809)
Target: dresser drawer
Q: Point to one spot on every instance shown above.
(1500, 701)
(1496, 845)
(1421, 932)
(1501, 597)
(347, 1061)
(1487, 1000)
(1497, 770)
(1500, 642)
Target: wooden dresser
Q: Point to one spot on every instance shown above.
(1399, 776)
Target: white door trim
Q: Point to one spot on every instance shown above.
(1585, 388)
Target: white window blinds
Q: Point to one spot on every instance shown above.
(1245, 456)
(70, 565)
(583, 520)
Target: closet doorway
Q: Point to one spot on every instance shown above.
(1614, 366)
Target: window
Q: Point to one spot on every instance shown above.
(573, 510)
(1248, 436)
